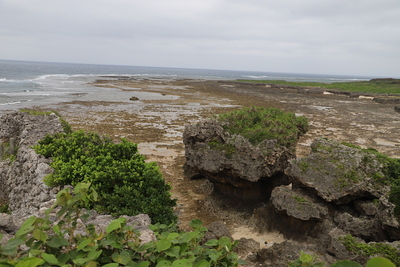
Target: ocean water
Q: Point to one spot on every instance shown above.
(26, 84)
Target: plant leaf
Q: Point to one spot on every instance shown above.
(115, 224)
(163, 244)
(212, 243)
(50, 258)
(123, 258)
(380, 262)
(30, 262)
(163, 263)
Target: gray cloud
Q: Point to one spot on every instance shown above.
(330, 36)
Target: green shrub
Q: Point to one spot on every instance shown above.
(125, 182)
(45, 242)
(258, 124)
(307, 260)
(372, 249)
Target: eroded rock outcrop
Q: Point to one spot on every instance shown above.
(232, 160)
(348, 181)
(336, 191)
(338, 173)
(21, 178)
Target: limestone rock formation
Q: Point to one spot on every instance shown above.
(339, 173)
(21, 179)
(297, 204)
(231, 160)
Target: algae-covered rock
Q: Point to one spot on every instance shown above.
(212, 151)
(339, 173)
(243, 146)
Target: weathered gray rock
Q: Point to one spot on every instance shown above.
(247, 246)
(280, 254)
(397, 108)
(368, 228)
(211, 151)
(21, 179)
(297, 204)
(216, 230)
(387, 99)
(366, 207)
(339, 173)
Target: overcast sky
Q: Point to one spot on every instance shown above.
(355, 37)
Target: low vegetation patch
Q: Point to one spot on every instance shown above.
(45, 242)
(126, 184)
(372, 249)
(228, 149)
(258, 124)
(381, 86)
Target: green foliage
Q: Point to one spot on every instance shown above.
(372, 249)
(229, 149)
(299, 199)
(258, 124)
(379, 262)
(126, 184)
(4, 207)
(306, 260)
(382, 86)
(45, 242)
(66, 126)
(394, 197)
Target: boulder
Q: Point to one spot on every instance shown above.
(232, 160)
(338, 173)
(247, 247)
(297, 204)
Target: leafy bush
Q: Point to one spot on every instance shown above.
(125, 182)
(258, 124)
(45, 242)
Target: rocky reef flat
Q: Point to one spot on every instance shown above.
(156, 122)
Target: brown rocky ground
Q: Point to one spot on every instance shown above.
(156, 122)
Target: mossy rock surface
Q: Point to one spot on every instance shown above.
(340, 173)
